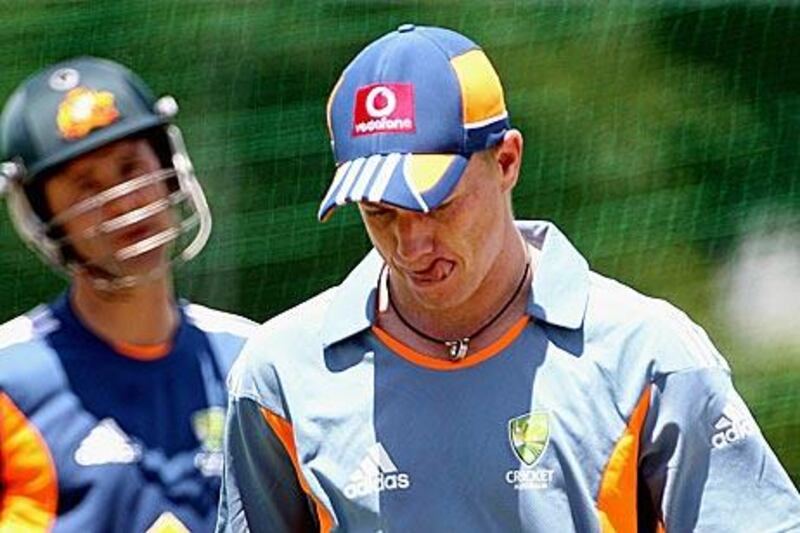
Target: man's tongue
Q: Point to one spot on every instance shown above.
(438, 270)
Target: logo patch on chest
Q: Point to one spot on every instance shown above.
(107, 443)
(529, 436)
(209, 428)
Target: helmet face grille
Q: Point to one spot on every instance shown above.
(166, 221)
(69, 110)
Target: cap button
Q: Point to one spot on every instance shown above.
(403, 28)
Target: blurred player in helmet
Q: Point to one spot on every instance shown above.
(112, 396)
(472, 373)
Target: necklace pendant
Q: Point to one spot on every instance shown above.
(458, 348)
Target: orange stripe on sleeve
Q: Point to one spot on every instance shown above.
(283, 430)
(28, 482)
(616, 499)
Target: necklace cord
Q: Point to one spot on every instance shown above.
(461, 344)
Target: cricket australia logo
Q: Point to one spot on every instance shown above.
(209, 427)
(529, 436)
(376, 473)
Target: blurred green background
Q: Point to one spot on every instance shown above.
(662, 137)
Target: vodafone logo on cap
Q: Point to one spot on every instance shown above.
(384, 108)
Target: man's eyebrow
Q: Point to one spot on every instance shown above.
(74, 176)
(127, 156)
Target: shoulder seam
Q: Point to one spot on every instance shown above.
(33, 325)
(695, 339)
(214, 320)
(236, 396)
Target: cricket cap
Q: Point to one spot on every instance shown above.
(406, 115)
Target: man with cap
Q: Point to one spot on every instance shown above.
(472, 373)
(112, 397)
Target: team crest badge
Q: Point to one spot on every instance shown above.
(83, 110)
(529, 435)
(209, 427)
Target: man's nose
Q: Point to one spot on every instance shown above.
(138, 195)
(415, 234)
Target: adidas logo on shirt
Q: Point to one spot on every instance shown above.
(733, 426)
(376, 473)
(107, 444)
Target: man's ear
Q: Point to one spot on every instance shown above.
(508, 155)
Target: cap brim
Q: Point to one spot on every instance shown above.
(419, 182)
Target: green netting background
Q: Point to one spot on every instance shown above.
(661, 136)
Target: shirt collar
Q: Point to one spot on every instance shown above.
(559, 294)
(560, 289)
(354, 302)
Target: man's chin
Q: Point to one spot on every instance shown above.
(140, 266)
(434, 294)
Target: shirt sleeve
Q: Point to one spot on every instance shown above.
(704, 462)
(28, 484)
(260, 488)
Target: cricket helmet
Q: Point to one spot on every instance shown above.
(70, 109)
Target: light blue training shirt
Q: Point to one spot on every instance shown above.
(601, 410)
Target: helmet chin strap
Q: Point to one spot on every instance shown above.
(105, 281)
